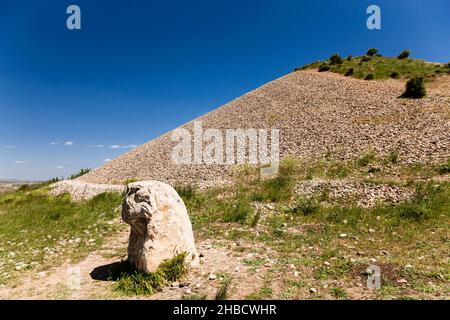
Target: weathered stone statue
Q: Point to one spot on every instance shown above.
(160, 225)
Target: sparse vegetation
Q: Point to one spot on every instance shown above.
(349, 72)
(279, 188)
(366, 159)
(444, 168)
(131, 180)
(80, 173)
(235, 211)
(392, 157)
(338, 293)
(222, 293)
(305, 206)
(380, 67)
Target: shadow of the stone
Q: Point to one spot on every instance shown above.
(110, 272)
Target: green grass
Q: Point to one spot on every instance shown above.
(132, 282)
(444, 168)
(279, 188)
(131, 180)
(235, 210)
(305, 206)
(263, 293)
(38, 230)
(222, 292)
(338, 293)
(366, 159)
(193, 297)
(382, 68)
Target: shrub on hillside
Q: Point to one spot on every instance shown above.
(349, 58)
(372, 52)
(349, 72)
(366, 59)
(395, 75)
(414, 89)
(445, 168)
(324, 67)
(335, 59)
(369, 77)
(404, 55)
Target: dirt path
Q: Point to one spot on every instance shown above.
(63, 282)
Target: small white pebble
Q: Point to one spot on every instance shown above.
(212, 277)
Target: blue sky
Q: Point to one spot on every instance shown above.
(137, 69)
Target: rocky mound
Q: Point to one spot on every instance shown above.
(317, 114)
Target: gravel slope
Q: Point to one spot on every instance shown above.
(316, 113)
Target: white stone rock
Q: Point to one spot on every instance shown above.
(160, 225)
(80, 190)
(212, 277)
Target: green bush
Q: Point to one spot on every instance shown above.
(336, 59)
(445, 168)
(369, 77)
(393, 157)
(372, 52)
(414, 89)
(366, 159)
(366, 59)
(349, 58)
(324, 67)
(349, 72)
(395, 75)
(404, 55)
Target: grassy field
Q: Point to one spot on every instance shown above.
(38, 230)
(381, 67)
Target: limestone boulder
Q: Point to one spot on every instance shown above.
(160, 225)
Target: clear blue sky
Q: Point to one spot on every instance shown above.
(137, 69)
